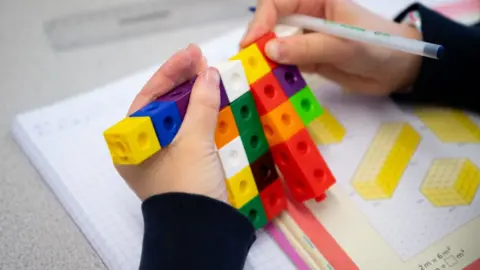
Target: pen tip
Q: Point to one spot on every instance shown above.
(440, 52)
(252, 9)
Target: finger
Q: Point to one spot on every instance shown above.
(177, 69)
(352, 82)
(268, 12)
(308, 68)
(307, 49)
(264, 19)
(202, 112)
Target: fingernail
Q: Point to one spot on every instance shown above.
(274, 50)
(211, 77)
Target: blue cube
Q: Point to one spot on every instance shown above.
(165, 119)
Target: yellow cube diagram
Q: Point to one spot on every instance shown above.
(241, 188)
(132, 140)
(451, 182)
(387, 157)
(254, 63)
(325, 129)
(449, 125)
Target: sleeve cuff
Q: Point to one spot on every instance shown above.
(185, 230)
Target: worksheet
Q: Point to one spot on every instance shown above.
(413, 174)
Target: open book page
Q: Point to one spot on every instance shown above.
(407, 195)
(408, 180)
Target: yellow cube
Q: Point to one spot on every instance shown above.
(132, 140)
(241, 188)
(254, 63)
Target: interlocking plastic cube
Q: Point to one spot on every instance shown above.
(254, 63)
(268, 93)
(165, 118)
(302, 166)
(273, 199)
(261, 42)
(264, 171)
(451, 182)
(286, 30)
(132, 140)
(265, 108)
(181, 97)
(290, 79)
(306, 105)
(226, 130)
(242, 187)
(233, 157)
(233, 79)
(281, 123)
(255, 212)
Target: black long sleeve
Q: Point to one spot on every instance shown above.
(184, 231)
(453, 80)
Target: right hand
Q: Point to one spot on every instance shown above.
(355, 66)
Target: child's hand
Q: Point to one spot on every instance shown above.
(356, 66)
(190, 164)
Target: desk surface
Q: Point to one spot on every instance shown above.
(35, 231)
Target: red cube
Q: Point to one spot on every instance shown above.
(273, 199)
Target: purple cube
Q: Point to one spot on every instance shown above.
(290, 79)
(223, 97)
(180, 95)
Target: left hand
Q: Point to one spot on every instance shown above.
(190, 164)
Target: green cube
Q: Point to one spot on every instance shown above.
(254, 142)
(306, 105)
(245, 113)
(255, 213)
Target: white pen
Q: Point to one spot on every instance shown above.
(363, 35)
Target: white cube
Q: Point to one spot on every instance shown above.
(282, 30)
(233, 157)
(233, 78)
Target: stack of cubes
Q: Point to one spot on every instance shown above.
(286, 107)
(148, 130)
(252, 182)
(264, 111)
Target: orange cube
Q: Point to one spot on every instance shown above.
(226, 129)
(281, 123)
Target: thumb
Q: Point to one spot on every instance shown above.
(202, 112)
(312, 48)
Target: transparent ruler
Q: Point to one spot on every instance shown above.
(136, 19)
